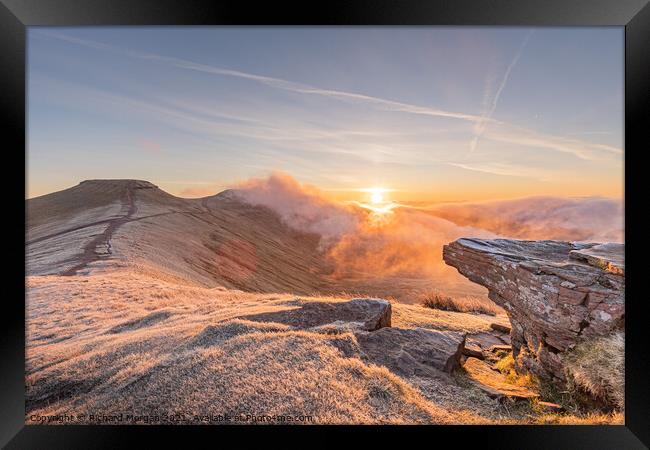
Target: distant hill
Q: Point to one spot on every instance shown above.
(216, 240)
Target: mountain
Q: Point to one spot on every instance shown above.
(211, 241)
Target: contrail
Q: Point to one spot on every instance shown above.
(480, 127)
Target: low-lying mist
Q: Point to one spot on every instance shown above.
(594, 219)
(405, 244)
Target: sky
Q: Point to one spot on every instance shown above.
(430, 114)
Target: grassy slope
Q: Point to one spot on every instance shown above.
(141, 343)
(134, 343)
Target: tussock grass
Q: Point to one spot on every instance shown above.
(597, 367)
(437, 300)
(576, 412)
(506, 365)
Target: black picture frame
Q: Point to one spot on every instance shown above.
(16, 15)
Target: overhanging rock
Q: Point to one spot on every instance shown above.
(554, 292)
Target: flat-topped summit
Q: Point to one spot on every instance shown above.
(135, 184)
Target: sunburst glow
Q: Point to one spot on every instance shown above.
(377, 197)
(377, 201)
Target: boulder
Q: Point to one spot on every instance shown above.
(487, 339)
(413, 351)
(472, 349)
(378, 315)
(555, 293)
(368, 314)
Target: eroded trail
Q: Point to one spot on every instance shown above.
(92, 224)
(100, 246)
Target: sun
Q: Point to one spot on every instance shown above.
(377, 201)
(376, 197)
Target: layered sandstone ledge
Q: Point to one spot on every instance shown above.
(555, 293)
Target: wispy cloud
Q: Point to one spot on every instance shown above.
(504, 169)
(389, 105)
(485, 126)
(522, 136)
(587, 133)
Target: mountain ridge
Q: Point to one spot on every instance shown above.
(214, 240)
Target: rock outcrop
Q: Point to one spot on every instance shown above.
(413, 352)
(481, 375)
(405, 351)
(555, 293)
(367, 314)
